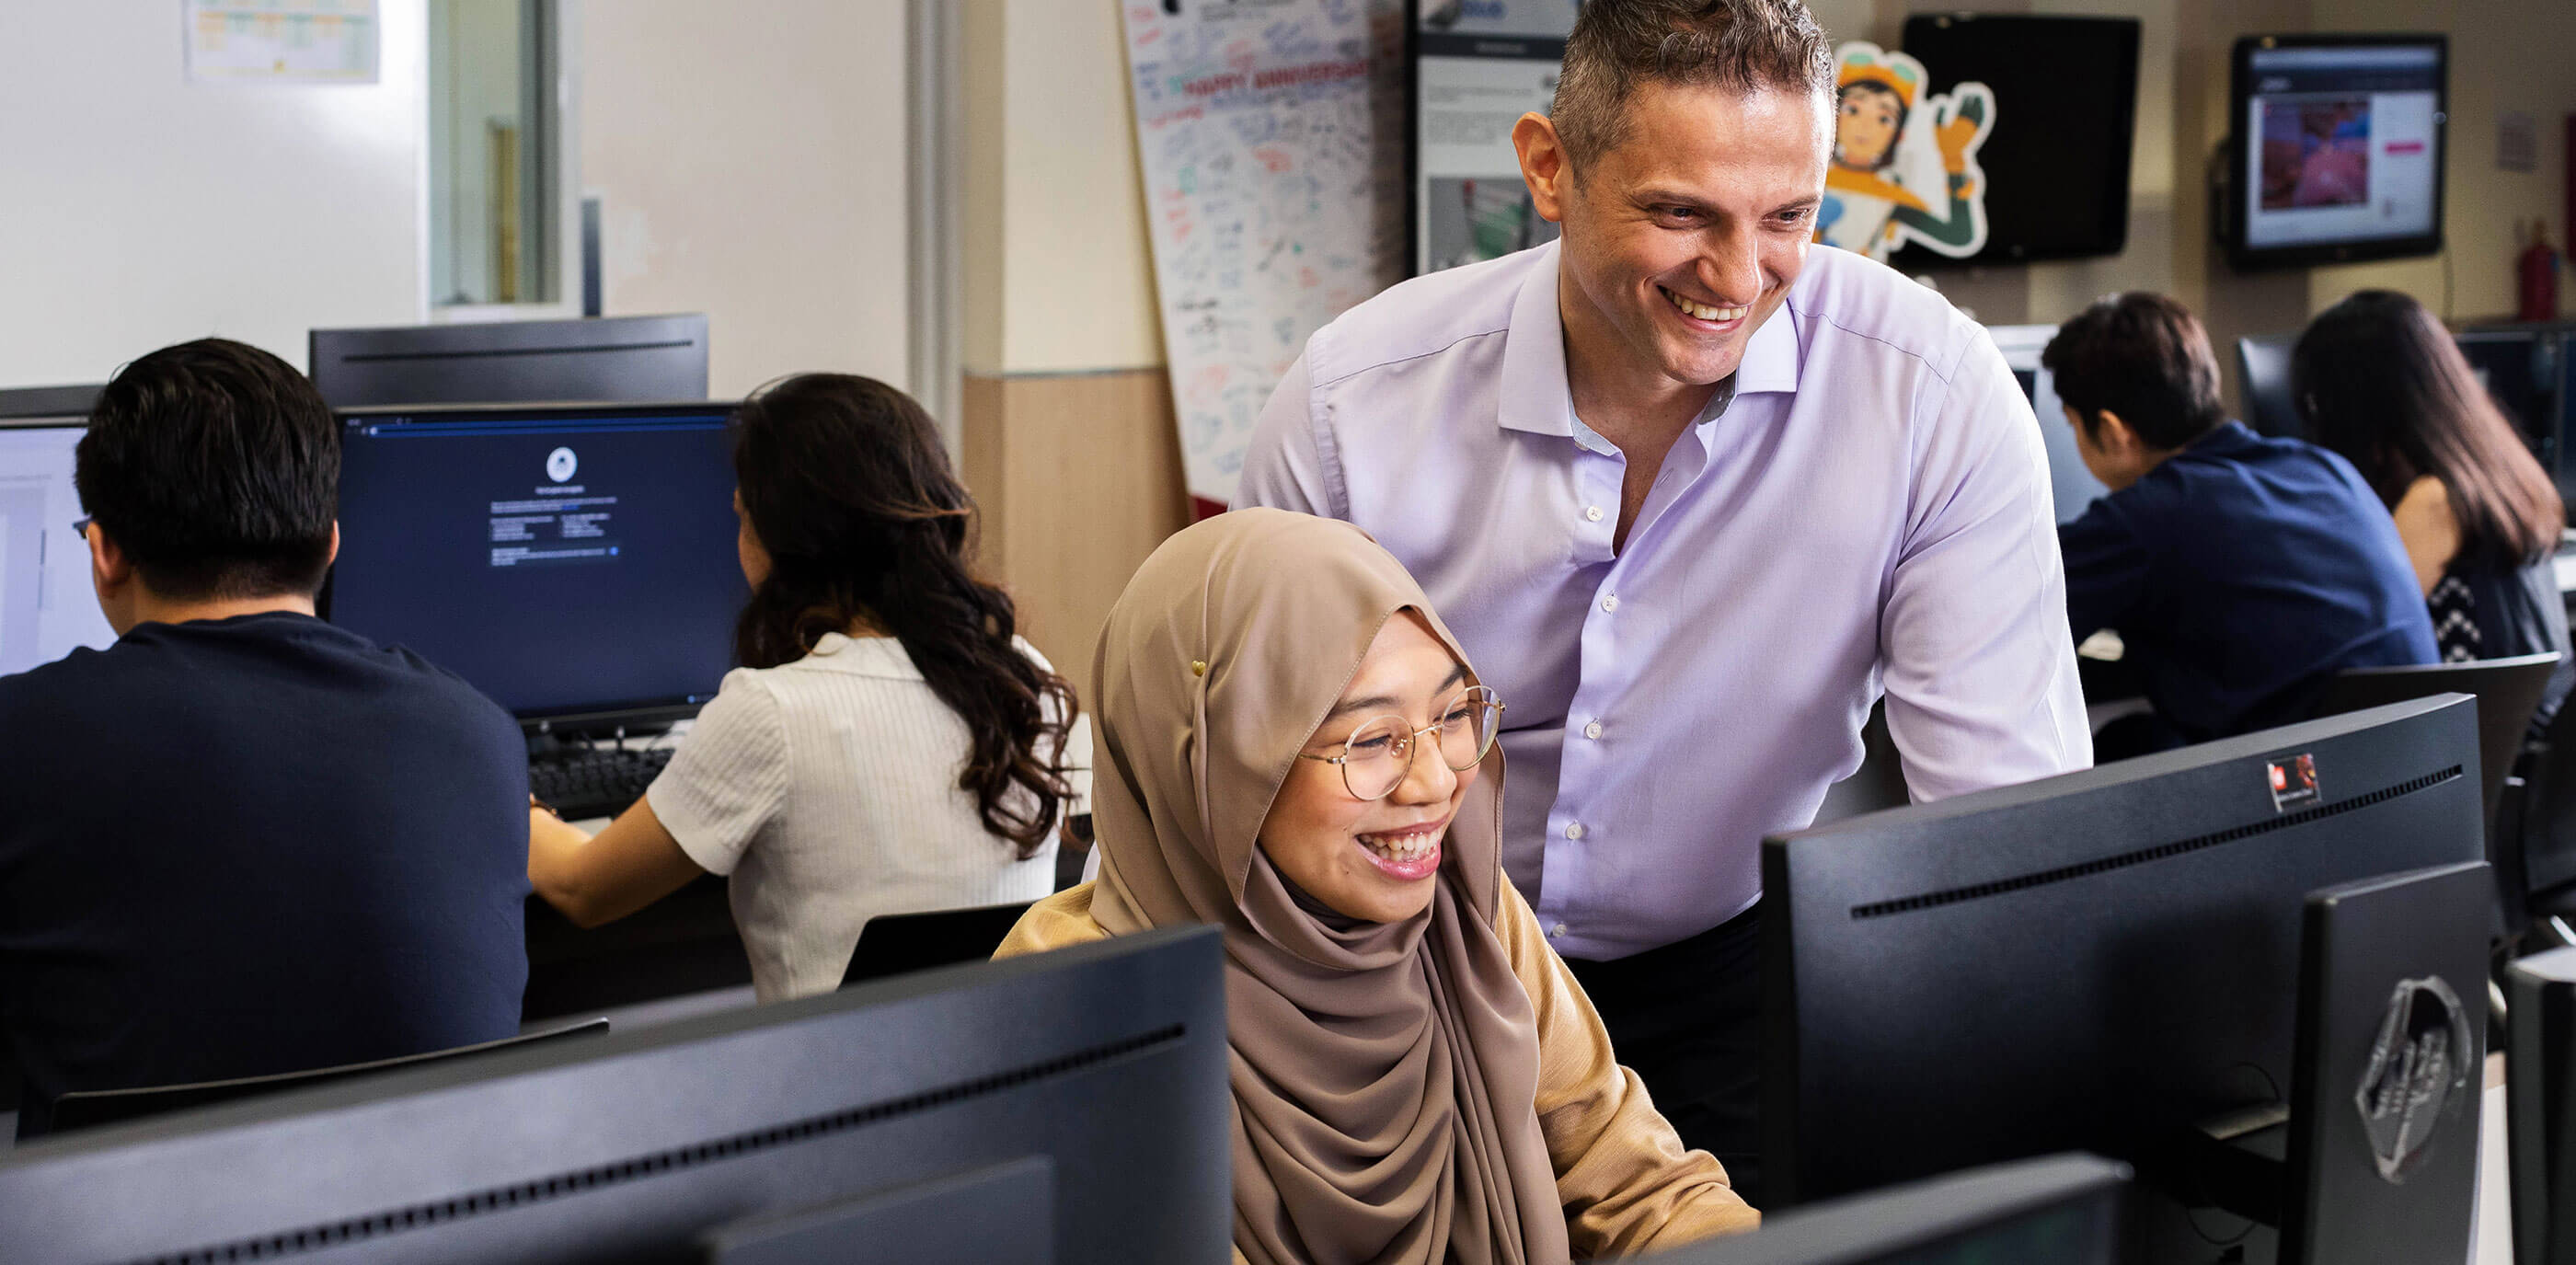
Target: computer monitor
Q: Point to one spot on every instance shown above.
(2061, 1210)
(2097, 961)
(618, 359)
(569, 562)
(2520, 370)
(2263, 382)
(47, 605)
(2336, 148)
(1102, 1068)
(2070, 484)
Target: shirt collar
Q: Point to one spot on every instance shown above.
(1535, 394)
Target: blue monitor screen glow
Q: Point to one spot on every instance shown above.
(561, 560)
(47, 606)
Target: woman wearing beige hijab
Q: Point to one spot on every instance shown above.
(1293, 748)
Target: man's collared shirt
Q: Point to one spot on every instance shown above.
(1869, 510)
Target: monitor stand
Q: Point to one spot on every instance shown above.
(2375, 1155)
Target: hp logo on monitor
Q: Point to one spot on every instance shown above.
(560, 464)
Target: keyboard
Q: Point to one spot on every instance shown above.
(599, 782)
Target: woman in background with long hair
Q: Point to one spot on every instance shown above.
(888, 744)
(2379, 380)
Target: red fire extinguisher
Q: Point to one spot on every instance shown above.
(2538, 273)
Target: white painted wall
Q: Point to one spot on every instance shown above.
(750, 159)
(138, 210)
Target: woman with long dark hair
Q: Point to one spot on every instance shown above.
(888, 743)
(2380, 381)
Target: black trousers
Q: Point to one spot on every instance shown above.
(1687, 1018)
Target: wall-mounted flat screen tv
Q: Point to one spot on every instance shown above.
(2335, 151)
(2066, 108)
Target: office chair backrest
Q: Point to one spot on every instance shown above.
(898, 944)
(2263, 378)
(92, 1108)
(2508, 693)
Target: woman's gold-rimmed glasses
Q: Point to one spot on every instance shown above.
(1379, 752)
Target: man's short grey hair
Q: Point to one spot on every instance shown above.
(1619, 46)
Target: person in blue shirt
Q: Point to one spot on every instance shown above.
(241, 841)
(2240, 571)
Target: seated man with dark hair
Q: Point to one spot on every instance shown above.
(241, 841)
(2240, 571)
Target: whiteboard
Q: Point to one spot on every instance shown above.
(138, 209)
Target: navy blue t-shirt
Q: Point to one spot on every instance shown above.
(2241, 572)
(253, 845)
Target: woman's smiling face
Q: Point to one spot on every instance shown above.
(1375, 859)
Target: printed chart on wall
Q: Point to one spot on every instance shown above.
(1479, 65)
(282, 41)
(1274, 181)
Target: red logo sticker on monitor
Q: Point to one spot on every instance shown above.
(2294, 782)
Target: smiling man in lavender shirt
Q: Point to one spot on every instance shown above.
(1693, 496)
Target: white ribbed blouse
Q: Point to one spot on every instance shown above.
(827, 789)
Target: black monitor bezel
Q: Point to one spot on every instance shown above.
(42, 405)
(595, 716)
(2234, 219)
(1931, 1213)
(1180, 1010)
(331, 353)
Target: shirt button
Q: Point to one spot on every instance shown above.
(1592, 730)
(1592, 513)
(1555, 931)
(1610, 603)
(1574, 830)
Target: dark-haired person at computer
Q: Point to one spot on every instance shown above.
(2379, 380)
(240, 841)
(2239, 570)
(888, 746)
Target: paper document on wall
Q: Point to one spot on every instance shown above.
(282, 41)
(1271, 133)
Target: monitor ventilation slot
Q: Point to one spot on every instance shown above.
(1934, 900)
(524, 1194)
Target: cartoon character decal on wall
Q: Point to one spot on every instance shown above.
(1904, 165)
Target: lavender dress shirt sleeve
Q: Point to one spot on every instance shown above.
(1981, 689)
(1283, 467)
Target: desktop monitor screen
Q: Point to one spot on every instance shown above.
(2337, 148)
(627, 359)
(1085, 1086)
(2094, 961)
(564, 561)
(47, 607)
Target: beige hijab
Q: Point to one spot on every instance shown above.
(1384, 1074)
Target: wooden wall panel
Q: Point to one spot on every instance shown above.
(1079, 478)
